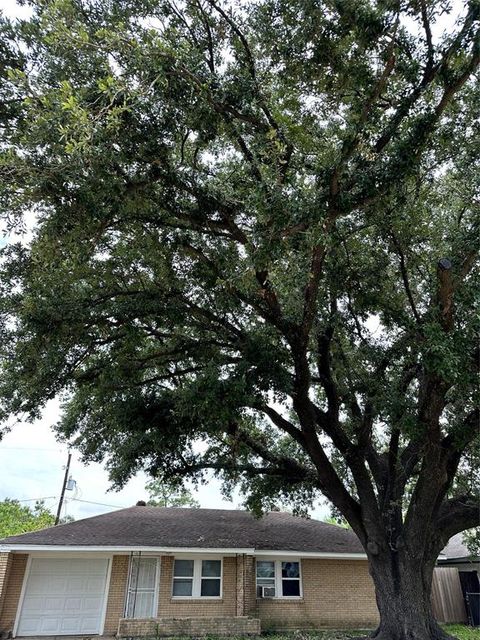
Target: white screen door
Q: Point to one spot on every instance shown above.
(142, 586)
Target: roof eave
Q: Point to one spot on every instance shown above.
(111, 549)
(459, 559)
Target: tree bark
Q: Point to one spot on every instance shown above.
(403, 584)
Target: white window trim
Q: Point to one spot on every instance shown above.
(278, 577)
(156, 587)
(197, 578)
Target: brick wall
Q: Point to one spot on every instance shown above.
(5, 566)
(11, 594)
(193, 626)
(116, 594)
(225, 606)
(250, 587)
(336, 593)
(240, 586)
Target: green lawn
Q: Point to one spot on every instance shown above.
(316, 635)
(462, 632)
(459, 631)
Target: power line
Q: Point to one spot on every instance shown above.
(101, 504)
(29, 449)
(35, 499)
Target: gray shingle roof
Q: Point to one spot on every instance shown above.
(455, 549)
(197, 528)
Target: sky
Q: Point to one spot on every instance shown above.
(32, 462)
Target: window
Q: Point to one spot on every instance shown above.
(197, 579)
(211, 577)
(278, 579)
(266, 578)
(290, 579)
(183, 578)
(141, 594)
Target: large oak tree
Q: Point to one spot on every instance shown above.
(255, 234)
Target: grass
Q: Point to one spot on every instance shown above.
(462, 632)
(457, 630)
(317, 635)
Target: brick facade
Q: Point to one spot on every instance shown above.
(116, 594)
(9, 598)
(336, 593)
(5, 567)
(192, 626)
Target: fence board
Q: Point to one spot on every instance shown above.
(447, 598)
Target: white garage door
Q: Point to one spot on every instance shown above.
(63, 597)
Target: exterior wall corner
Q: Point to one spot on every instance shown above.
(14, 567)
(116, 594)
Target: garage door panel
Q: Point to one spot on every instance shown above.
(90, 606)
(79, 585)
(88, 625)
(63, 597)
(39, 584)
(70, 626)
(35, 604)
(30, 626)
(52, 584)
(73, 605)
(49, 625)
(95, 584)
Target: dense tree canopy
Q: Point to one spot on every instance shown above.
(161, 495)
(254, 251)
(16, 518)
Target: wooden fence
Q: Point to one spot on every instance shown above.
(447, 598)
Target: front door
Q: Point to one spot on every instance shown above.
(142, 587)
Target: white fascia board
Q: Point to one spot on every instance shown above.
(459, 559)
(274, 553)
(310, 554)
(120, 549)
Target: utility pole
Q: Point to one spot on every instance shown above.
(60, 504)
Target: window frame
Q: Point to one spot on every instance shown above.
(155, 588)
(197, 578)
(277, 564)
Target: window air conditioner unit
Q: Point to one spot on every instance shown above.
(267, 592)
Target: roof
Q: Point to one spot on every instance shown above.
(455, 549)
(177, 528)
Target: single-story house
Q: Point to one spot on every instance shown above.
(171, 571)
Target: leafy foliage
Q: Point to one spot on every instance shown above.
(16, 518)
(254, 252)
(471, 538)
(161, 495)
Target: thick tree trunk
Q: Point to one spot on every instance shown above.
(403, 591)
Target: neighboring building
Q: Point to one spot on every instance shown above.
(456, 555)
(159, 571)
